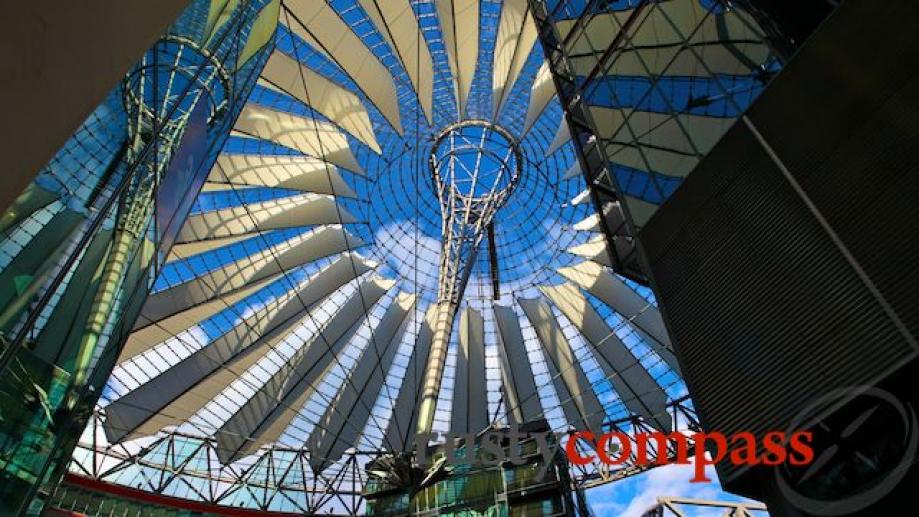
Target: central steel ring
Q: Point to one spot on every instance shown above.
(479, 160)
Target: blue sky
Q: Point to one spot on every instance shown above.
(633, 496)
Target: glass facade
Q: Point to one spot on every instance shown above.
(649, 87)
(81, 247)
(476, 489)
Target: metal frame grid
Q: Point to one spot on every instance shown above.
(281, 480)
(527, 262)
(712, 94)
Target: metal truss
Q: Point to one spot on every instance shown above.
(615, 222)
(280, 479)
(475, 166)
(470, 196)
(677, 505)
(180, 465)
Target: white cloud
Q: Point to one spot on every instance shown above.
(402, 256)
(633, 496)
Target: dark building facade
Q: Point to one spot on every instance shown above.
(785, 266)
(781, 243)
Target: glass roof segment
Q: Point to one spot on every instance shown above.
(272, 267)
